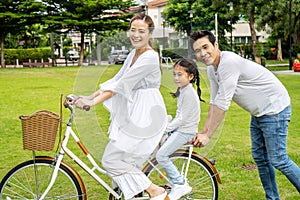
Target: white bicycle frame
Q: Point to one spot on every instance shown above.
(91, 171)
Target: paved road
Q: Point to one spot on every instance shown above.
(287, 72)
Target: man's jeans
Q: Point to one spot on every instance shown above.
(174, 142)
(268, 136)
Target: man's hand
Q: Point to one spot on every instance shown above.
(200, 140)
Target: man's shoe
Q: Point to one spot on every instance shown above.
(179, 191)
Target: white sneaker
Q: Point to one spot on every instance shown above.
(179, 191)
(163, 196)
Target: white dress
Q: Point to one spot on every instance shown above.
(138, 121)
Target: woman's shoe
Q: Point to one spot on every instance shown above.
(163, 196)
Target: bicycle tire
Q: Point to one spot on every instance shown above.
(201, 177)
(24, 182)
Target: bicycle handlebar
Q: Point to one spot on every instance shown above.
(86, 108)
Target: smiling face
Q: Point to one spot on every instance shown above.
(206, 52)
(139, 34)
(181, 77)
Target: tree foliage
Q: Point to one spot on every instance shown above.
(15, 15)
(84, 16)
(278, 12)
(30, 19)
(177, 15)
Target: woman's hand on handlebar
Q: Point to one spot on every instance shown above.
(83, 103)
(78, 101)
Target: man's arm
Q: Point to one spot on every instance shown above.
(213, 121)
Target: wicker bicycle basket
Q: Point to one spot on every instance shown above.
(39, 130)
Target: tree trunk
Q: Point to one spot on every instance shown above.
(2, 50)
(52, 49)
(98, 49)
(297, 37)
(81, 56)
(279, 52)
(253, 35)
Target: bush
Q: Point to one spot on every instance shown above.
(23, 55)
(263, 61)
(295, 49)
(259, 49)
(175, 52)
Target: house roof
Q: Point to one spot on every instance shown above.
(241, 29)
(157, 3)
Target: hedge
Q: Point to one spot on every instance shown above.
(175, 52)
(23, 55)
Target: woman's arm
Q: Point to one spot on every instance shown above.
(103, 96)
(96, 98)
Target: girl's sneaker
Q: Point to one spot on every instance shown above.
(179, 191)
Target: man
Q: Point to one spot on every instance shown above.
(259, 92)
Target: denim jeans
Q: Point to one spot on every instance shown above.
(175, 141)
(269, 136)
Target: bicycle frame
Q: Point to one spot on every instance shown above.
(95, 167)
(91, 171)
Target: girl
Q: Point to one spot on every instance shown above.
(184, 126)
(138, 114)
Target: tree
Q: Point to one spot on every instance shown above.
(98, 16)
(249, 10)
(177, 14)
(35, 34)
(277, 12)
(296, 21)
(15, 15)
(117, 40)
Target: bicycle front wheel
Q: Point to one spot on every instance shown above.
(200, 176)
(30, 179)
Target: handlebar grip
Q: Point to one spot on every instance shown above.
(86, 108)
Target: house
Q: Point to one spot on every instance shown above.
(167, 36)
(241, 33)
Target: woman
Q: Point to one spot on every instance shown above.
(138, 114)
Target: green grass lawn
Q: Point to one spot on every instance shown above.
(24, 91)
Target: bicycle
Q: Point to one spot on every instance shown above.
(46, 177)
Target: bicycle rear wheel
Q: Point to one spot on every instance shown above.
(29, 180)
(200, 176)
